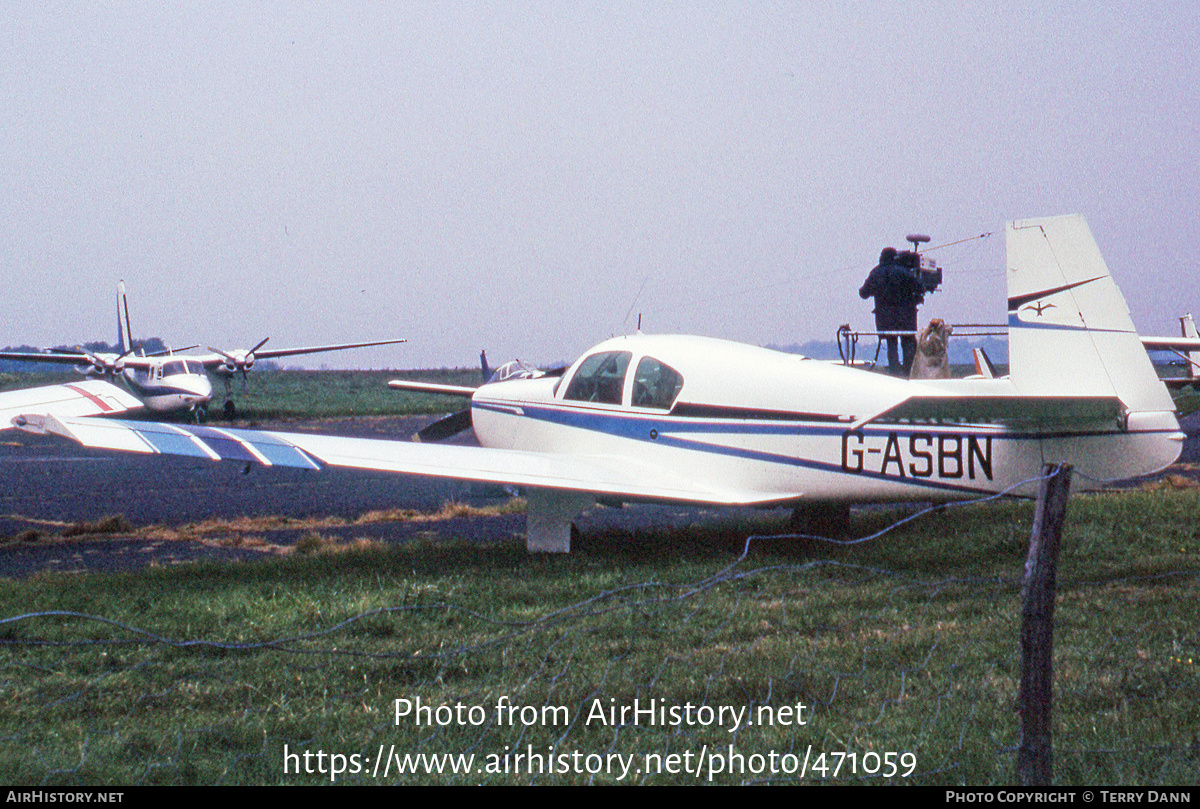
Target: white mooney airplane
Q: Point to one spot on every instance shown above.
(171, 381)
(697, 420)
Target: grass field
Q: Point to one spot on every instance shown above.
(891, 661)
(888, 662)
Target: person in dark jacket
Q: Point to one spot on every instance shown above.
(897, 292)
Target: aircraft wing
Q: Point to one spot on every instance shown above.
(274, 353)
(271, 353)
(90, 397)
(62, 357)
(599, 475)
(28, 356)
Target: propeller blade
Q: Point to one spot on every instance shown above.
(260, 345)
(445, 428)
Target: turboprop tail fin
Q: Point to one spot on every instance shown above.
(1069, 329)
(124, 333)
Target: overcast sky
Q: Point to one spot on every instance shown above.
(530, 176)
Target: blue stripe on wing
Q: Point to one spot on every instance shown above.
(224, 445)
(280, 454)
(237, 445)
(164, 438)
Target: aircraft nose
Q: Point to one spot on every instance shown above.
(201, 388)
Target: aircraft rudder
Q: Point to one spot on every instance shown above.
(1070, 332)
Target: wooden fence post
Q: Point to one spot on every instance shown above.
(1034, 701)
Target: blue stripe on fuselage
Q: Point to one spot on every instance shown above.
(666, 430)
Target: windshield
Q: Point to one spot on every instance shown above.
(179, 367)
(600, 378)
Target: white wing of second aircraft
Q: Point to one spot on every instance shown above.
(599, 475)
(91, 397)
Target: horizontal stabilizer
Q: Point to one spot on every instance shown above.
(1171, 343)
(432, 387)
(1018, 412)
(1188, 342)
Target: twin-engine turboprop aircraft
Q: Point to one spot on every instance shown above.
(162, 382)
(697, 420)
(171, 381)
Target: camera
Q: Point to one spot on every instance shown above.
(926, 270)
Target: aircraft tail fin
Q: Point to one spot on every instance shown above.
(124, 333)
(1069, 327)
(983, 364)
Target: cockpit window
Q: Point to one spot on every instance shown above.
(180, 367)
(655, 384)
(600, 378)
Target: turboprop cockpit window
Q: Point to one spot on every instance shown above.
(655, 384)
(180, 367)
(600, 378)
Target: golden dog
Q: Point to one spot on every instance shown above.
(932, 361)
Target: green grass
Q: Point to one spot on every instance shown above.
(324, 394)
(907, 644)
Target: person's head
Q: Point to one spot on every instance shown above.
(888, 256)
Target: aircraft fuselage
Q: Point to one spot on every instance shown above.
(801, 433)
(173, 384)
